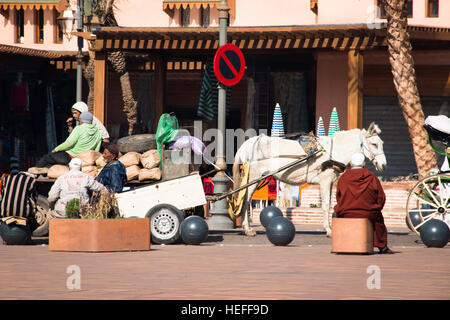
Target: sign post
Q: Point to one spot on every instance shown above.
(220, 218)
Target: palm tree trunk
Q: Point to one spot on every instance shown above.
(118, 63)
(402, 65)
(89, 72)
(105, 13)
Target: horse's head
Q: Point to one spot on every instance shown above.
(372, 146)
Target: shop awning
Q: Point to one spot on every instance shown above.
(30, 4)
(61, 59)
(46, 54)
(334, 37)
(246, 38)
(170, 5)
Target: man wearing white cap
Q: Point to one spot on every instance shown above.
(359, 194)
(83, 137)
(74, 184)
(77, 109)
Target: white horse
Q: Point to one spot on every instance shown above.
(268, 154)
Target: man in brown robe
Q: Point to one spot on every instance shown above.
(359, 194)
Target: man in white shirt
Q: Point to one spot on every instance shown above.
(74, 184)
(80, 107)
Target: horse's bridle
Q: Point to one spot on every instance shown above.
(363, 138)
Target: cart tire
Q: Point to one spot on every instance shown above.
(137, 143)
(42, 217)
(165, 221)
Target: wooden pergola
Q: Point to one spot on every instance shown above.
(160, 42)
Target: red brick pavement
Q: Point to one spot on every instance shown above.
(218, 270)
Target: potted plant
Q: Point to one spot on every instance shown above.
(98, 227)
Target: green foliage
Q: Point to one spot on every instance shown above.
(73, 209)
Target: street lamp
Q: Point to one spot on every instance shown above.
(66, 20)
(219, 213)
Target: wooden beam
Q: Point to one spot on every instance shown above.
(355, 89)
(100, 86)
(159, 87)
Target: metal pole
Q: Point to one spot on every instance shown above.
(220, 218)
(80, 52)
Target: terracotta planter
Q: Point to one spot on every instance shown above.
(99, 235)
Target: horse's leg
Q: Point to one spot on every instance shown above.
(326, 182)
(245, 211)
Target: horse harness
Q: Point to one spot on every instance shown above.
(365, 146)
(335, 165)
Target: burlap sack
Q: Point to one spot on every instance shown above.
(88, 157)
(57, 170)
(150, 174)
(100, 162)
(130, 159)
(90, 170)
(150, 159)
(132, 172)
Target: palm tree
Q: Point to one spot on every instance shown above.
(105, 13)
(402, 65)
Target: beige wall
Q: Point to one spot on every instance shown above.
(149, 13)
(7, 32)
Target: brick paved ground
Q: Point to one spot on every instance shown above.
(229, 266)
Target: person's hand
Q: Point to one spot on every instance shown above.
(53, 151)
(69, 121)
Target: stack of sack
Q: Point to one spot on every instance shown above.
(138, 166)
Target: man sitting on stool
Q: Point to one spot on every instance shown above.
(359, 194)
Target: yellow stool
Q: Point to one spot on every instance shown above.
(352, 235)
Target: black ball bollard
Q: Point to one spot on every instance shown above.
(435, 233)
(280, 231)
(14, 234)
(194, 230)
(268, 213)
(415, 219)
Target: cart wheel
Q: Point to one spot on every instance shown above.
(430, 199)
(165, 221)
(42, 217)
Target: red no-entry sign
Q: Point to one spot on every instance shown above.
(229, 64)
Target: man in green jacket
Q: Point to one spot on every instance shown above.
(86, 136)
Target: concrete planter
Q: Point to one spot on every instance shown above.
(99, 235)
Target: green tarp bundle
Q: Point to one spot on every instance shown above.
(167, 130)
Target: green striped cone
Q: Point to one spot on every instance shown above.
(334, 123)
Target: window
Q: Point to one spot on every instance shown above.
(380, 5)
(409, 7)
(433, 8)
(39, 25)
(383, 14)
(185, 16)
(58, 32)
(20, 21)
(204, 16)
